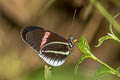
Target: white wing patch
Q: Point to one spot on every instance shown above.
(57, 52)
(64, 43)
(51, 61)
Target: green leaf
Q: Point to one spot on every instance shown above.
(118, 71)
(102, 39)
(110, 35)
(101, 72)
(83, 57)
(83, 46)
(118, 35)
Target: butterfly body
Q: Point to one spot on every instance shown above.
(52, 48)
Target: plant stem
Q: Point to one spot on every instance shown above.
(114, 37)
(98, 60)
(106, 14)
(47, 72)
(84, 56)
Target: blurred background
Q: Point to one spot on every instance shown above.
(19, 62)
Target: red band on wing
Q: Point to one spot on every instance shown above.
(44, 40)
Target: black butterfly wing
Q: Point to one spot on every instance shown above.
(55, 49)
(33, 36)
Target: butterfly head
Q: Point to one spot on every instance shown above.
(72, 40)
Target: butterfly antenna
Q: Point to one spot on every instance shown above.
(73, 20)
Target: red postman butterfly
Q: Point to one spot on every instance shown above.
(52, 48)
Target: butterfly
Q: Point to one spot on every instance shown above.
(51, 47)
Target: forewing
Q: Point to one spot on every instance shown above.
(55, 49)
(33, 36)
